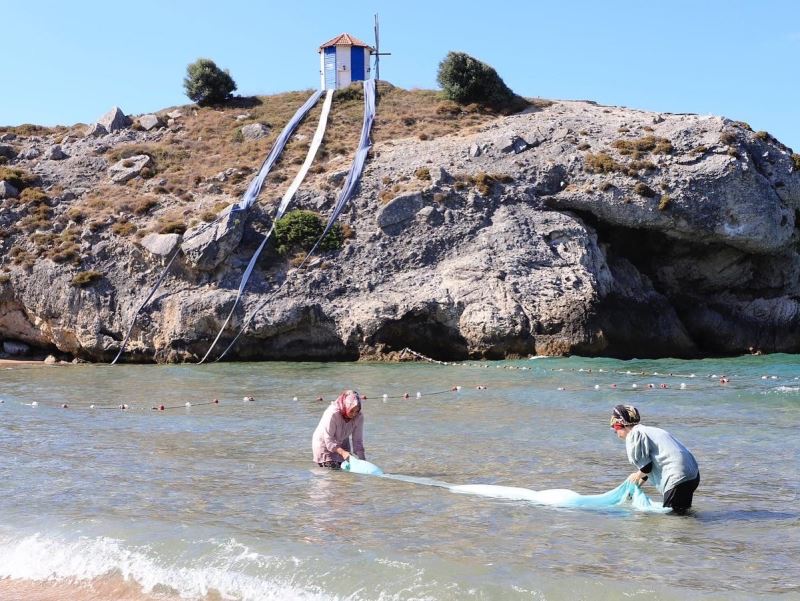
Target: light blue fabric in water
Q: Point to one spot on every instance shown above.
(560, 497)
(359, 466)
(626, 492)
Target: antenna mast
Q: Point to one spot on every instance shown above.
(378, 53)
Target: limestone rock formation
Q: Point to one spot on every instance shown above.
(574, 228)
(255, 131)
(126, 169)
(114, 120)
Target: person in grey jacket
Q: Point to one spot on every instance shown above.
(659, 455)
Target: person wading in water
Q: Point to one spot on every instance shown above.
(659, 455)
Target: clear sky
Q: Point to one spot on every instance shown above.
(66, 62)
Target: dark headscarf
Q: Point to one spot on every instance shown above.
(626, 415)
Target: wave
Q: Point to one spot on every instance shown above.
(231, 572)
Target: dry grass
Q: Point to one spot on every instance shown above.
(18, 178)
(602, 162)
(207, 144)
(28, 129)
(643, 189)
(424, 114)
(86, 278)
(636, 148)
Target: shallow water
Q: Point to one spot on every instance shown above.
(223, 501)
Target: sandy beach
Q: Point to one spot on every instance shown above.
(100, 589)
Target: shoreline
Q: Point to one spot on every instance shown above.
(22, 362)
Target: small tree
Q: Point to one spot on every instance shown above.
(465, 80)
(206, 84)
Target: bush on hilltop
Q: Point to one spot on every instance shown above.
(467, 80)
(207, 84)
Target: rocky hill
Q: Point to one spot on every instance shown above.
(568, 228)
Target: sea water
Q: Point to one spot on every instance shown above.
(222, 500)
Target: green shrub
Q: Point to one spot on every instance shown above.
(297, 231)
(465, 79)
(207, 84)
(86, 278)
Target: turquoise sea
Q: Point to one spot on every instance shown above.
(222, 501)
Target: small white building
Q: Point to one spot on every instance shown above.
(343, 60)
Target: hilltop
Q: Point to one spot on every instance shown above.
(567, 228)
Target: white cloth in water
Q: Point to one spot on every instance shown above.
(555, 497)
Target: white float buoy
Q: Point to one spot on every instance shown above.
(634, 386)
(597, 386)
(294, 398)
(419, 395)
(188, 404)
(34, 404)
(683, 386)
(91, 406)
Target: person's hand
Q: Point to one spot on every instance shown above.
(637, 478)
(344, 454)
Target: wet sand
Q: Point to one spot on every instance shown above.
(20, 362)
(101, 589)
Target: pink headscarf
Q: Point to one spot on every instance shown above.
(346, 401)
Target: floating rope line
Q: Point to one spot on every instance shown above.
(247, 399)
(723, 379)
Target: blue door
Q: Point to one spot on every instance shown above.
(330, 68)
(357, 64)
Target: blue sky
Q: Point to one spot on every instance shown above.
(67, 62)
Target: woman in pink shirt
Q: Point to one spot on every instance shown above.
(341, 420)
